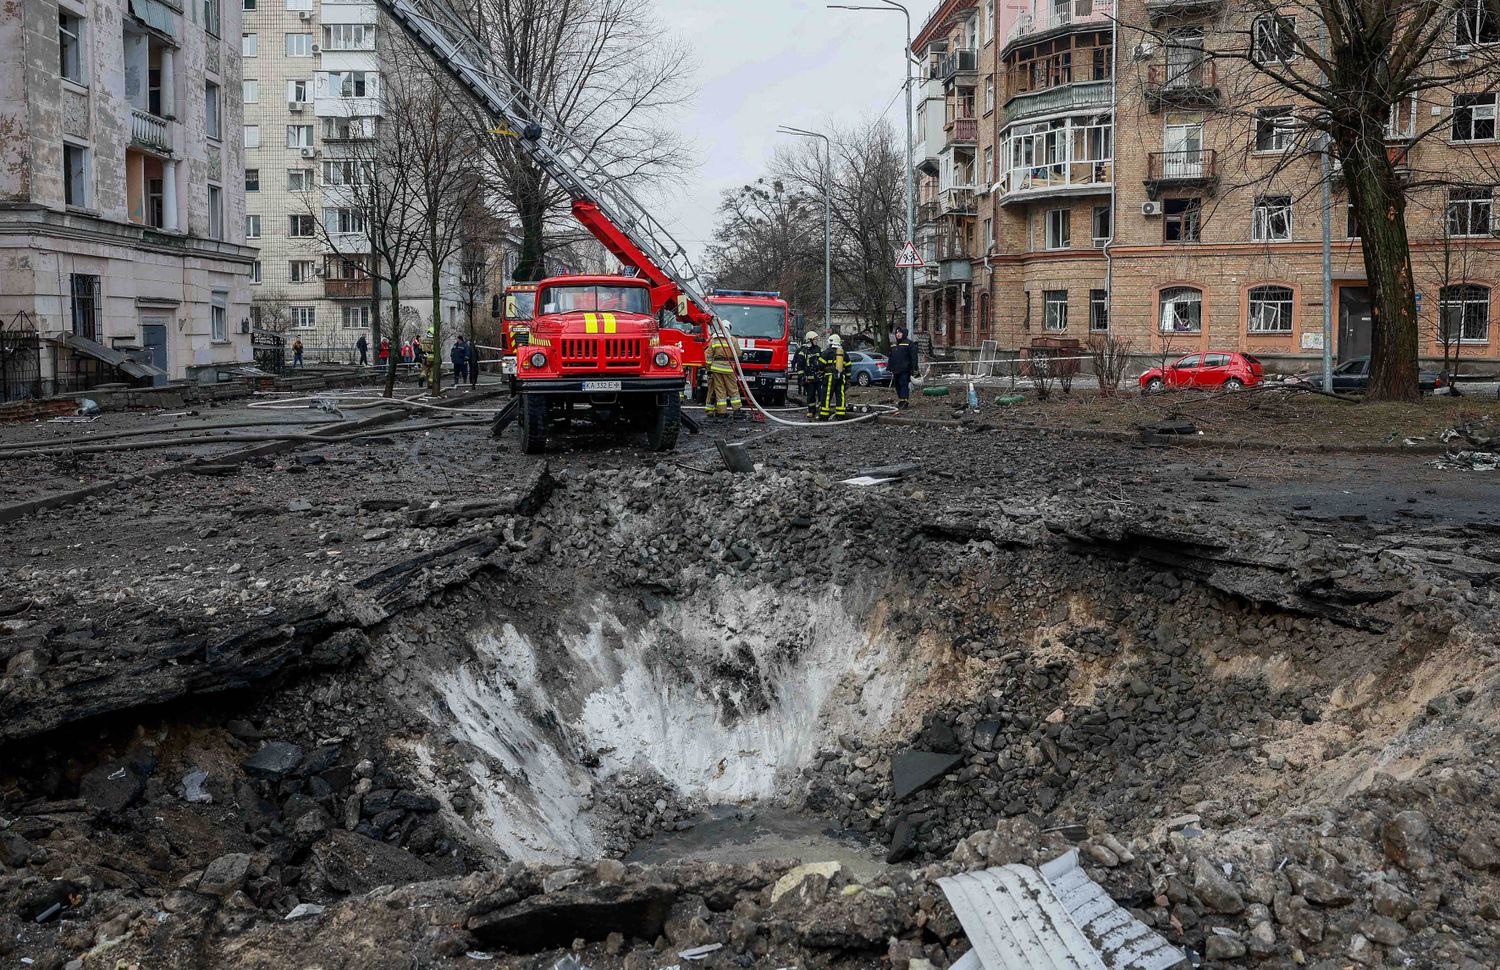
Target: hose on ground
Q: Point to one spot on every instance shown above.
(193, 442)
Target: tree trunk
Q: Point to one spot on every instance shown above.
(435, 370)
(532, 264)
(1380, 204)
(395, 356)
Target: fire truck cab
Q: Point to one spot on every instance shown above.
(595, 354)
(515, 324)
(760, 322)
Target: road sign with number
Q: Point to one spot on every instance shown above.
(909, 258)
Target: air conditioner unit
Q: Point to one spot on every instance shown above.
(304, 15)
(309, 153)
(1458, 55)
(1144, 51)
(245, 325)
(316, 49)
(295, 106)
(1150, 208)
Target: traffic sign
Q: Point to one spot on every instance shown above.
(909, 257)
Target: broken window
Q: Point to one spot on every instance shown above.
(75, 175)
(1055, 309)
(1275, 129)
(1470, 211)
(1182, 221)
(1476, 24)
(1274, 40)
(1272, 219)
(1059, 234)
(1465, 313)
(1182, 310)
(1270, 309)
(1474, 117)
(1098, 310)
(84, 289)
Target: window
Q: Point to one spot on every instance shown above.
(343, 220)
(1098, 310)
(70, 47)
(1058, 234)
(215, 212)
(1465, 313)
(989, 164)
(252, 227)
(988, 20)
(1275, 129)
(249, 45)
(1274, 39)
(296, 91)
(1351, 221)
(84, 288)
(1055, 309)
(299, 4)
(1476, 23)
(299, 179)
(1474, 117)
(1103, 225)
(301, 271)
(1183, 219)
(356, 318)
(252, 180)
(247, 4)
(349, 84)
(250, 91)
(300, 226)
(345, 171)
(349, 37)
(299, 136)
(255, 272)
(218, 315)
(211, 16)
(989, 94)
(211, 110)
(1181, 310)
(1470, 210)
(299, 45)
(1270, 309)
(303, 317)
(989, 234)
(348, 129)
(252, 136)
(1272, 220)
(75, 175)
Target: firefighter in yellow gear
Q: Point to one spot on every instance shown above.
(833, 366)
(723, 385)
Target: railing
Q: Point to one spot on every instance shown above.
(1074, 97)
(1076, 65)
(1051, 14)
(954, 246)
(1192, 80)
(1192, 165)
(955, 271)
(149, 130)
(347, 289)
(1167, 7)
(959, 202)
(959, 62)
(963, 130)
(928, 212)
(1058, 177)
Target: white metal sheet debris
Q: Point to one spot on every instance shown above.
(1052, 918)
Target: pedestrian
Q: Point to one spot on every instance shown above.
(833, 369)
(406, 352)
(363, 346)
(723, 385)
(806, 366)
(419, 358)
(903, 366)
(460, 357)
(473, 364)
(384, 354)
(297, 352)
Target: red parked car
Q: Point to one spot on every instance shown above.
(1230, 371)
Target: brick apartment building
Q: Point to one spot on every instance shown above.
(1078, 175)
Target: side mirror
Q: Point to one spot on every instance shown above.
(495, 306)
(512, 307)
(683, 304)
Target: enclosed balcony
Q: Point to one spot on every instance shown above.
(1193, 168)
(960, 68)
(1065, 156)
(1193, 84)
(958, 201)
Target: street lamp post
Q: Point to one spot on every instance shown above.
(827, 218)
(892, 6)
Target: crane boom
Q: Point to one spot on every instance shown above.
(604, 206)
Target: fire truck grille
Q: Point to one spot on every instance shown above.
(621, 352)
(580, 353)
(758, 357)
(602, 352)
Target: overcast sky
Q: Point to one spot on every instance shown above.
(763, 63)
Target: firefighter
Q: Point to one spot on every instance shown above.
(833, 366)
(723, 386)
(806, 366)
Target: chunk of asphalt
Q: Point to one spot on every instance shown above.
(912, 771)
(274, 761)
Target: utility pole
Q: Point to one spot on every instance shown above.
(911, 192)
(1327, 251)
(827, 219)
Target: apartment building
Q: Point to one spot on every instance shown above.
(121, 204)
(312, 102)
(1115, 193)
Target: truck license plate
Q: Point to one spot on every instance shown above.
(601, 385)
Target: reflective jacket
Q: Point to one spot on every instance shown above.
(721, 354)
(833, 361)
(806, 362)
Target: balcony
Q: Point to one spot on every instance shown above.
(928, 212)
(1164, 9)
(1192, 85)
(1090, 96)
(347, 289)
(958, 202)
(1074, 177)
(150, 132)
(958, 66)
(1196, 168)
(962, 131)
(955, 271)
(1047, 17)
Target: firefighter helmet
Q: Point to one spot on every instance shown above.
(811, 336)
(834, 340)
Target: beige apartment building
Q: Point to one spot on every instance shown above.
(122, 253)
(312, 96)
(1111, 191)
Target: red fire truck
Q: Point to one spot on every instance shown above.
(760, 322)
(515, 322)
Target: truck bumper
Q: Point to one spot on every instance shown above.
(574, 386)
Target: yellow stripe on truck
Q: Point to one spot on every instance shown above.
(609, 323)
(591, 323)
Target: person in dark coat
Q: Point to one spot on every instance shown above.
(903, 366)
(460, 357)
(363, 346)
(473, 364)
(806, 366)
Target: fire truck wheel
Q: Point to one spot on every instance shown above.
(662, 435)
(533, 423)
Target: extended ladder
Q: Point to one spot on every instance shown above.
(605, 207)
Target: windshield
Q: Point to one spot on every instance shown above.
(525, 304)
(608, 299)
(753, 321)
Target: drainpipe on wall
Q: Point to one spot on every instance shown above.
(1114, 166)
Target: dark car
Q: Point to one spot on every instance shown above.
(1354, 375)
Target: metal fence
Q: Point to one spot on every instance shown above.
(20, 359)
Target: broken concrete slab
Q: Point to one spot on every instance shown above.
(589, 912)
(911, 771)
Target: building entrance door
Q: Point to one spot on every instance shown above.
(1355, 322)
(154, 340)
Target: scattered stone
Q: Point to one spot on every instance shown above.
(911, 771)
(274, 761)
(797, 876)
(1405, 839)
(225, 875)
(1215, 889)
(112, 787)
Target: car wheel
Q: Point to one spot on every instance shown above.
(863, 380)
(1153, 385)
(1234, 384)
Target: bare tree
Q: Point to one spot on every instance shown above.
(610, 76)
(1360, 71)
(1110, 355)
(273, 309)
(770, 239)
(1450, 267)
